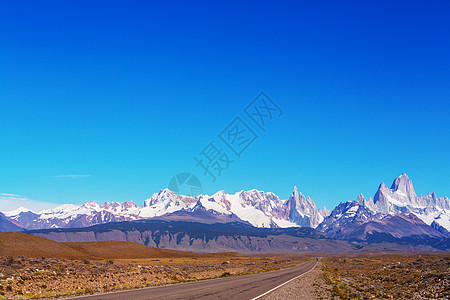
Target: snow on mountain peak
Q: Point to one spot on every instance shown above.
(219, 195)
(401, 198)
(127, 205)
(166, 201)
(360, 199)
(61, 208)
(91, 204)
(16, 211)
(302, 210)
(402, 184)
(259, 208)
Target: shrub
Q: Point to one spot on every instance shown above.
(9, 260)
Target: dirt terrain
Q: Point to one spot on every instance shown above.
(126, 250)
(14, 243)
(34, 267)
(49, 269)
(21, 244)
(413, 276)
(372, 276)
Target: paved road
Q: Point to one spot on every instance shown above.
(235, 287)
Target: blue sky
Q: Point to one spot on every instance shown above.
(124, 95)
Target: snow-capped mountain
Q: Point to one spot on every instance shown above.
(303, 212)
(8, 225)
(355, 222)
(346, 217)
(16, 212)
(258, 208)
(402, 199)
(164, 202)
(69, 215)
(397, 212)
(263, 209)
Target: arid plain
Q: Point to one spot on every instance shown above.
(34, 267)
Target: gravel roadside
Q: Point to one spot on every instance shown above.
(309, 286)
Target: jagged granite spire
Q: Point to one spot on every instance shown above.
(302, 210)
(360, 199)
(403, 184)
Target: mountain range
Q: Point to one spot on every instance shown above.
(223, 235)
(258, 208)
(394, 215)
(389, 204)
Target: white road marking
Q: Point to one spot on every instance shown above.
(262, 295)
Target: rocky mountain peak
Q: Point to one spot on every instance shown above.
(17, 211)
(129, 205)
(260, 200)
(91, 204)
(163, 195)
(324, 212)
(112, 205)
(360, 199)
(401, 191)
(303, 211)
(295, 192)
(219, 194)
(404, 185)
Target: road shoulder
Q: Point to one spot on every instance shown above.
(308, 286)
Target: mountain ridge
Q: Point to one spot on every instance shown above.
(422, 218)
(261, 209)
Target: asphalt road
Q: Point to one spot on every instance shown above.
(234, 287)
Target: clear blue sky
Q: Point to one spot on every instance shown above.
(128, 92)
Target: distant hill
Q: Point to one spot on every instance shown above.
(21, 244)
(126, 250)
